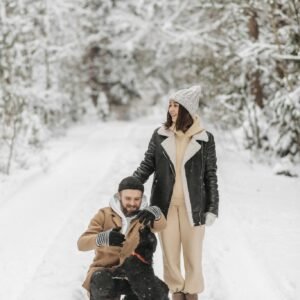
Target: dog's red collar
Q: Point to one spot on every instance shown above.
(140, 257)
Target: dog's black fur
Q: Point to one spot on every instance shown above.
(142, 280)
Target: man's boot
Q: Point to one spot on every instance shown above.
(131, 297)
(191, 296)
(178, 296)
(103, 286)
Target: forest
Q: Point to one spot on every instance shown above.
(61, 61)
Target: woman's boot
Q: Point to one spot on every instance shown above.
(178, 296)
(191, 296)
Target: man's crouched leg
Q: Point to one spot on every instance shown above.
(124, 288)
(103, 286)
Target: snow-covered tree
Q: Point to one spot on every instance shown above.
(62, 59)
(39, 88)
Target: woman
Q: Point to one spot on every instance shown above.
(182, 156)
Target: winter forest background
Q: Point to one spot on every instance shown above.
(62, 60)
(83, 84)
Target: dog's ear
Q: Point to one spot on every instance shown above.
(144, 228)
(144, 231)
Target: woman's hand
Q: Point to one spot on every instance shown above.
(210, 218)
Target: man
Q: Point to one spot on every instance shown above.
(113, 234)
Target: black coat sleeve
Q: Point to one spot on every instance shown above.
(210, 177)
(147, 166)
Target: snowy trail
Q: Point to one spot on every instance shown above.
(73, 269)
(238, 262)
(255, 240)
(33, 223)
(239, 271)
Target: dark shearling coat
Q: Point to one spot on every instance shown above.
(200, 179)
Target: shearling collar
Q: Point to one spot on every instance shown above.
(202, 135)
(115, 205)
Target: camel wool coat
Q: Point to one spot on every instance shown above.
(111, 256)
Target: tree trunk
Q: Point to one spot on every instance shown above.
(256, 88)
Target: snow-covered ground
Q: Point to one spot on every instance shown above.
(252, 252)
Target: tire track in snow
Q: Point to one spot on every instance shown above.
(76, 141)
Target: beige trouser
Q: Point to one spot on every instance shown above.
(179, 232)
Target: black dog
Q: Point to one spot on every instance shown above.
(138, 270)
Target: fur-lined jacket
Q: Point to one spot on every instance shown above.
(198, 171)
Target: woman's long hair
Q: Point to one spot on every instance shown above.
(184, 120)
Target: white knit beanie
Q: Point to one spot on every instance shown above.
(188, 98)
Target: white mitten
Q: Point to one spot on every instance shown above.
(210, 218)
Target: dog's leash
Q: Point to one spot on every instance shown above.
(141, 258)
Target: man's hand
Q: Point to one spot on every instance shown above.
(111, 238)
(116, 238)
(210, 218)
(149, 215)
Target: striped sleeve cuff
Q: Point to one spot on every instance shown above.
(155, 210)
(103, 238)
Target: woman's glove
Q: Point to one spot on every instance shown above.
(112, 237)
(210, 218)
(149, 215)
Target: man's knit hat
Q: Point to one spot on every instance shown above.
(188, 98)
(130, 183)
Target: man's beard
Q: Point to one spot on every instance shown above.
(130, 213)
